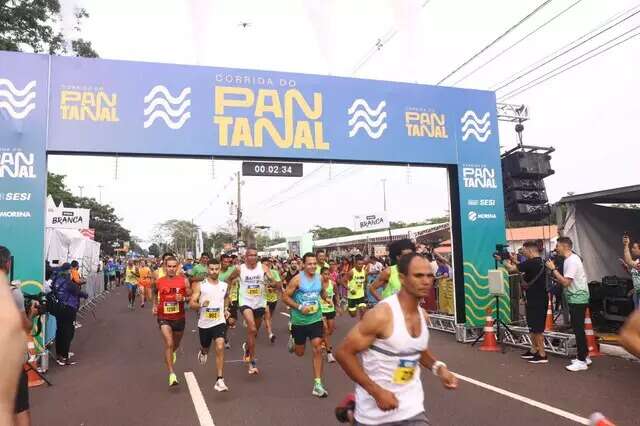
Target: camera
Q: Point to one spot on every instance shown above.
(502, 251)
(42, 303)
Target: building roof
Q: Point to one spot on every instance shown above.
(532, 233)
(626, 194)
(279, 246)
(381, 236)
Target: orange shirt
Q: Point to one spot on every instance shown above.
(145, 276)
(75, 276)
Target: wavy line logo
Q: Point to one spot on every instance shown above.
(477, 297)
(476, 127)
(18, 103)
(371, 120)
(160, 103)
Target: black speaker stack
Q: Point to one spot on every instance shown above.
(525, 196)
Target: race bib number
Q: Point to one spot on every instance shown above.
(404, 372)
(253, 290)
(212, 313)
(171, 307)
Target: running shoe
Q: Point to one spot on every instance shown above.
(290, 344)
(330, 358)
(227, 345)
(173, 380)
(220, 386)
(319, 391)
(527, 355)
(202, 358)
(175, 357)
(142, 305)
(537, 359)
(577, 366)
(588, 360)
(253, 369)
(245, 353)
(272, 338)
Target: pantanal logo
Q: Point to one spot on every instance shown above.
(17, 165)
(245, 117)
(93, 104)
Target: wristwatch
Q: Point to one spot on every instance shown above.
(436, 366)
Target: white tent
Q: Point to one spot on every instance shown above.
(66, 245)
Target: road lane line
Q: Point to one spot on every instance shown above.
(285, 314)
(204, 416)
(529, 401)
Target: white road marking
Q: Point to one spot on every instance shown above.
(286, 314)
(529, 401)
(204, 416)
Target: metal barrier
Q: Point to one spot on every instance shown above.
(446, 323)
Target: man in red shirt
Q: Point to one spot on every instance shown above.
(169, 293)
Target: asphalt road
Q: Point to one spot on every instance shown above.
(120, 379)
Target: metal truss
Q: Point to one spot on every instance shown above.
(554, 342)
(512, 113)
(446, 323)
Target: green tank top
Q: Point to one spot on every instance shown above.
(328, 307)
(393, 285)
(356, 285)
(233, 289)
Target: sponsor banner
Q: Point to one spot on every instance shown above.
(370, 222)
(67, 218)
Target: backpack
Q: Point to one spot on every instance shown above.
(53, 297)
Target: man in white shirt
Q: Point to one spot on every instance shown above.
(574, 280)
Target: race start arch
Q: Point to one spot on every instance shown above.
(65, 105)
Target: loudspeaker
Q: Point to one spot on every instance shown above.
(522, 164)
(511, 183)
(521, 211)
(525, 197)
(496, 286)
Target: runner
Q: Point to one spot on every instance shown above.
(199, 271)
(328, 311)
(144, 282)
(321, 260)
(111, 272)
(225, 273)
(169, 293)
(251, 301)
(211, 298)
(392, 340)
(303, 296)
(272, 297)
(355, 280)
(389, 278)
(131, 280)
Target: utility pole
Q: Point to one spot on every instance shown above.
(238, 209)
(384, 202)
(81, 188)
(100, 193)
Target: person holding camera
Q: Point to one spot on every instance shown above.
(574, 280)
(26, 312)
(631, 258)
(534, 284)
(68, 294)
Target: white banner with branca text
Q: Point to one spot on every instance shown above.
(370, 222)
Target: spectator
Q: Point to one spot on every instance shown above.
(631, 258)
(535, 286)
(574, 280)
(20, 413)
(75, 273)
(443, 270)
(68, 294)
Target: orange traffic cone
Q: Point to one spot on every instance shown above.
(548, 324)
(592, 342)
(598, 419)
(489, 344)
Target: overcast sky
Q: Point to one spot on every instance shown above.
(587, 113)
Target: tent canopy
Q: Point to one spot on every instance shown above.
(624, 195)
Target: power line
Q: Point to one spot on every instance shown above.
(528, 86)
(555, 55)
(214, 199)
(505, 50)
(490, 45)
(296, 183)
(380, 42)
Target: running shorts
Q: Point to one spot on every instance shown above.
(257, 313)
(355, 304)
(207, 335)
(132, 287)
(300, 333)
(329, 315)
(272, 306)
(22, 397)
(176, 325)
(417, 420)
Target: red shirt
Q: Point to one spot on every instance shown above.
(168, 289)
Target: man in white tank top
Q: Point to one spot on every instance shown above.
(392, 339)
(210, 298)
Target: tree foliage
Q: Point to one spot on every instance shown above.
(35, 25)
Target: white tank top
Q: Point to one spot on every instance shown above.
(213, 314)
(394, 364)
(252, 289)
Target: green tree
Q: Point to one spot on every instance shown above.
(180, 234)
(321, 233)
(154, 250)
(58, 190)
(34, 25)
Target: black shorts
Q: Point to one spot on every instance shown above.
(272, 306)
(355, 304)
(211, 334)
(233, 310)
(257, 313)
(329, 315)
(22, 397)
(176, 325)
(536, 317)
(300, 333)
(117, 274)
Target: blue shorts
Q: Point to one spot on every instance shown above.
(132, 287)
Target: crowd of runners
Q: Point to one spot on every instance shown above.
(232, 291)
